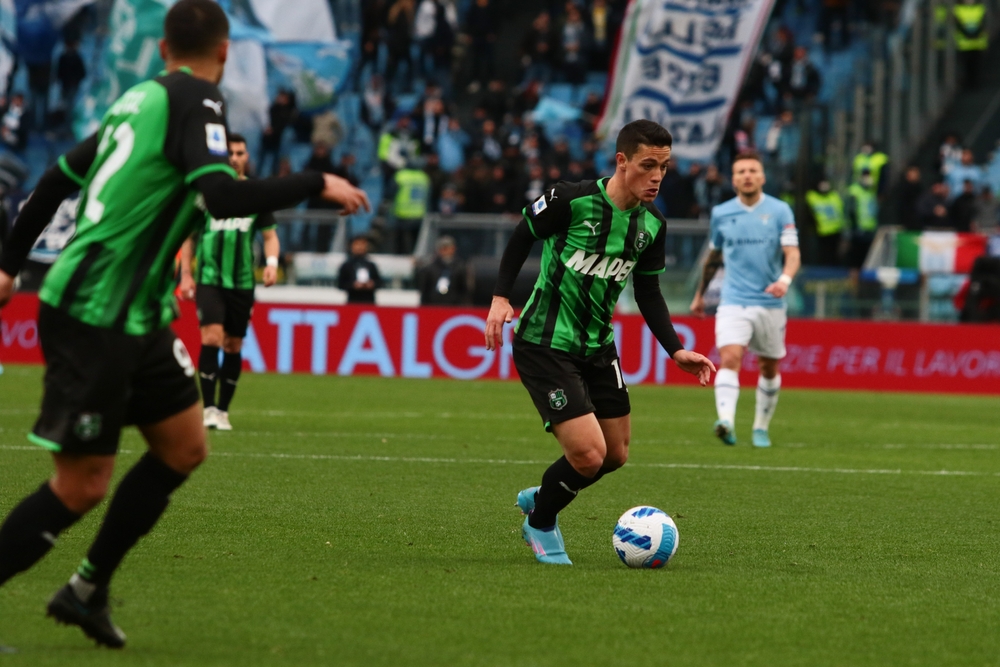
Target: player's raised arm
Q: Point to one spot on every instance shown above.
(57, 183)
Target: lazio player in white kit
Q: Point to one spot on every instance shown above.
(754, 237)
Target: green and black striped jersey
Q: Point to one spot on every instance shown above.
(225, 250)
(591, 248)
(137, 206)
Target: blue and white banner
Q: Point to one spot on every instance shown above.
(681, 63)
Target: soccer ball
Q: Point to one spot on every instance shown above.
(645, 537)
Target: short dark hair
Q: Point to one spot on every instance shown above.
(642, 133)
(748, 154)
(194, 28)
(237, 138)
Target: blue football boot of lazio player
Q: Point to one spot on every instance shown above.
(725, 431)
(548, 545)
(761, 438)
(526, 499)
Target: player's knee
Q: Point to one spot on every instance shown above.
(232, 345)
(212, 337)
(616, 459)
(587, 463)
(186, 459)
(82, 495)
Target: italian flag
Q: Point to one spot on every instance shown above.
(939, 252)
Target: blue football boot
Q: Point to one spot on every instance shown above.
(761, 438)
(526, 499)
(725, 431)
(548, 545)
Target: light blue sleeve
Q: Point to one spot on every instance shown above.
(715, 231)
(787, 233)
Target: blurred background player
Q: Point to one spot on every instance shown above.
(107, 304)
(596, 234)
(224, 292)
(754, 237)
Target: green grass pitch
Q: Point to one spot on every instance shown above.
(364, 521)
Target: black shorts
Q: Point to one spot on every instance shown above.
(98, 380)
(564, 386)
(231, 308)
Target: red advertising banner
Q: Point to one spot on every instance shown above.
(448, 342)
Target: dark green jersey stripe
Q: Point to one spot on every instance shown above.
(225, 252)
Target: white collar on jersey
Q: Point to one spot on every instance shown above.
(750, 209)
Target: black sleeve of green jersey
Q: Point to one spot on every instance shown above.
(653, 259)
(654, 310)
(551, 213)
(196, 140)
(57, 183)
(225, 197)
(517, 250)
(265, 221)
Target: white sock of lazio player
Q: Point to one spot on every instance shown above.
(767, 401)
(727, 393)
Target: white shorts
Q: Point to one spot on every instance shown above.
(756, 327)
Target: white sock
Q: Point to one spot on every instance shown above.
(727, 393)
(767, 401)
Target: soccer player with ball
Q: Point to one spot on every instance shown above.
(595, 234)
(754, 237)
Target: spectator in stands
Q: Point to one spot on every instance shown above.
(488, 142)
(677, 194)
(372, 24)
(452, 145)
(833, 13)
(424, 31)
(575, 45)
(781, 148)
(963, 209)
(711, 190)
(932, 208)
(481, 24)
(496, 101)
(14, 129)
(319, 237)
(535, 185)
(283, 113)
(443, 280)
(501, 198)
(399, 22)
(862, 214)
(70, 71)
(803, 79)
(987, 215)
(326, 128)
(950, 153)
(396, 147)
(376, 103)
(966, 170)
(910, 192)
(450, 202)
(603, 28)
(358, 275)
(826, 209)
(538, 50)
(431, 119)
(412, 190)
(437, 179)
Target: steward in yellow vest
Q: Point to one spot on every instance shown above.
(874, 161)
(827, 209)
(862, 210)
(971, 38)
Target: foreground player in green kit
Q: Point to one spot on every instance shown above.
(107, 303)
(224, 292)
(596, 234)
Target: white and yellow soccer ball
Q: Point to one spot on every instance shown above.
(645, 537)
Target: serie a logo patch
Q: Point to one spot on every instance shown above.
(539, 205)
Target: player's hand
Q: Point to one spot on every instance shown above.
(500, 313)
(339, 191)
(6, 288)
(270, 275)
(186, 288)
(777, 289)
(698, 305)
(696, 364)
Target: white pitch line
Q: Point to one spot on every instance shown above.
(680, 466)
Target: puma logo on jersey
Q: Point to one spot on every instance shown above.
(600, 266)
(214, 106)
(231, 224)
(592, 226)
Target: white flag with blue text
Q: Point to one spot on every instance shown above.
(681, 63)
